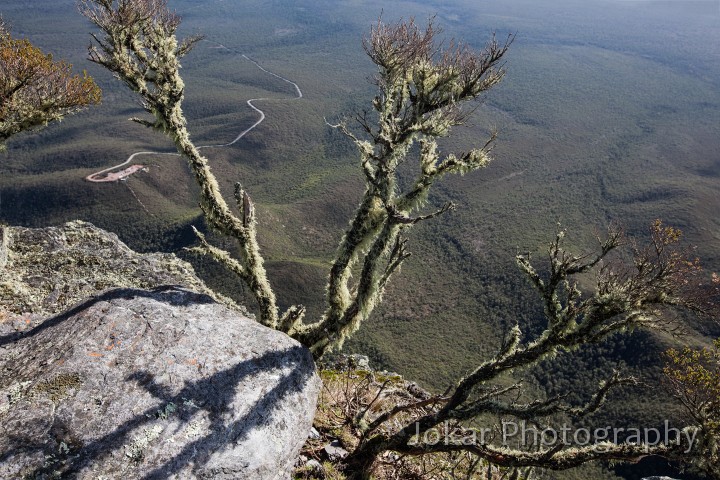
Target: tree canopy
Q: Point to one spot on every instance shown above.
(35, 89)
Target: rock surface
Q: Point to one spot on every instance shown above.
(153, 384)
(44, 271)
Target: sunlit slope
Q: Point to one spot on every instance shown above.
(609, 112)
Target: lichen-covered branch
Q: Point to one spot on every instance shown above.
(422, 89)
(554, 458)
(627, 295)
(139, 46)
(542, 408)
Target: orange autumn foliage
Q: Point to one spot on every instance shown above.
(35, 89)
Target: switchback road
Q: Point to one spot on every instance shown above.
(110, 175)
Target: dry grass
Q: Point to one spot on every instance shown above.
(351, 399)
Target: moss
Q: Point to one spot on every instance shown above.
(329, 375)
(391, 378)
(59, 387)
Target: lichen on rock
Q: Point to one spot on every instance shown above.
(162, 383)
(44, 271)
(58, 387)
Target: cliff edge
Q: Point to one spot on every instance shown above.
(151, 382)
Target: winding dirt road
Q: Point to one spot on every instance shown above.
(109, 175)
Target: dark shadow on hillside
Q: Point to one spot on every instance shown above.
(652, 466)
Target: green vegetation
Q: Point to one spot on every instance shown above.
(694, 377)
(602, 118)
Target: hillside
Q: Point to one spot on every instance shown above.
(609, 112)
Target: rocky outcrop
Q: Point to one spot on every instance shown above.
(137, 383)
(153, 384)
(44, 271)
